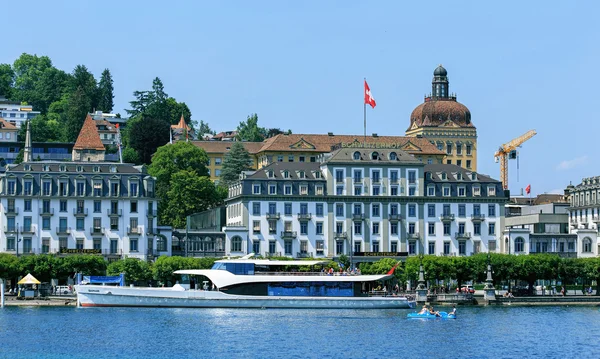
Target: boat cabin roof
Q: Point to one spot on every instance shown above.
(267, 262)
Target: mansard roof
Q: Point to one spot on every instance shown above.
(293, 169)
(452, 172)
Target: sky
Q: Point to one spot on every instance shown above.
(517, 65)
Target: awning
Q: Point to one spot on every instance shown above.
(29, 279)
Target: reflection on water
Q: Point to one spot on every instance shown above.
(479, 332)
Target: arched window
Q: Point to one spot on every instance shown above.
(357, 155)
(587, 245)
(393, 156)
(519, 245)
(375, 155)
(236, 244)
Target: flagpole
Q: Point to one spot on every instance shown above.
(365, 118)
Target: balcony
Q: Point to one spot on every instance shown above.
(114, 212)
(304, 216)
(273, 215)
(304, 255)
(134, 230)
(151, 213)
(289, 234)
(80, 212)
(478, 218)
(28, 229)
(340, 235)
(96, 230)
(358, 217)
(10, 229)
(12, 211)
(447, 217)
(413, 235)
(462, 235)
(394, 217)
(63, 230)
(47, 212)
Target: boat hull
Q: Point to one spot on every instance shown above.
(100, 296)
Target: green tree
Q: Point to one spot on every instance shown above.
(131, 156)
(175, 109)
(28, 69)
(140, 104)
(84, 264)
(79, 105)
(236, 161)
(84, 80)
(204, 129)
(49, 88)
(173, 158)
(146, 135)
(9, 266)
(188, 194)
(591, 271)
(44, 128)
(249, 130)
(7, 79)
(105, 92)
(19, 158)
(136, 271)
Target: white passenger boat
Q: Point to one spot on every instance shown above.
(252, 283)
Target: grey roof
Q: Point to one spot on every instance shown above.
(71, 167)
(294, 169)
(452, 171)
(384, 155)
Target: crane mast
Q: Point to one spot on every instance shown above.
(504, 151)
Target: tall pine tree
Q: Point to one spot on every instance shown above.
(236, 160)
(105, 92)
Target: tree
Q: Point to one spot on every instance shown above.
(146, 135)
(272, 132)
(7, 79)
(204, 128)
(140, 104)
(43, 129)
(19, 158)
(175, 109)
(105, 92)
(236, 161)
(79, 105)
(136, 271)
(188, 194)
(9, 266)
(52, 86)
(171, 159)
(130, 156)
(28, 69)
(249, 130)
(84, 80)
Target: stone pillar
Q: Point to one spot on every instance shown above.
(421, 289)
(489, 292)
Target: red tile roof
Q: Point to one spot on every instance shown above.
(5, 125)
(89, 138)
(181, 124)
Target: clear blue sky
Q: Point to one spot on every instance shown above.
(300, 64)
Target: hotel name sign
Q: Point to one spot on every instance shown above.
(357, 144)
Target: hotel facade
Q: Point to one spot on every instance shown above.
(367, 202)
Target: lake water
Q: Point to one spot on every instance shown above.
(479, 332)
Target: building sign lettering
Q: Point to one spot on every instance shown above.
(79, 251)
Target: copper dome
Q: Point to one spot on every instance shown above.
(434, 112)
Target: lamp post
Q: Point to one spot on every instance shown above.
(421, 288)
(489, 292)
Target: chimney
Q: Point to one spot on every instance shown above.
(375, 135)
(329, 133)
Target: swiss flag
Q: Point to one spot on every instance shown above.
(528, 189)
(369, 100)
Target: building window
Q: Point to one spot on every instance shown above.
(459, 149)
(256, 189)
(462, 248)
(491, 191)
(339, 209)
(491, 210)
(27, 205)
(587, 245)
(412, 247)
(339, 227)
(272, 226)
(272, 189)
(446, 248)
(303, 189)
(357, 227)
(287, 209)
(394, 209)
(339, 190)
(431, 228)
(357, 190)
(446, 191)
(357, 209)
(290, 159)
(114, 223)
(97, 206)
(304, 228)
(492, 229)
(412, 210)
(446, 210)
(319, 209)
(287, 245)
(256, 227)
(375, 227)
(492, 246)
(394, 246)
(476, 191)
(319, 190)
(431, 248)
(394, 190)
(376, 190)
(357, 246)
(319, 228)
(449, 149)
(462, 192)
(468, 163)
(256, 208)
(431, 210)
(46, 223)
(468, 148)
(412, 177)
(394, 229)
(446, 229)
(462, 210)
(519, 245)
(477, 229)
(133, 245)
(430, 191)
(375, 245)
(46, 188)
(133, 206)
(375, 210)
(287, 190)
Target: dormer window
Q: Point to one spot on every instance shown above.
(356, 155)
(393, 156)
(96, 168)
(444, 176)
(62, 168)
(113, 169)
(476, 191)
(270, 174)
(27, 167)
(286, 174)
(301, 174)
(375, 155)
(45, 168)
(79, 168)
(459, 176)
(474, 176)
(317, 174)
(491, 191)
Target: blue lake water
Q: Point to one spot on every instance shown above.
(479, 332)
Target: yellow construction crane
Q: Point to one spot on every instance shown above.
(509, 150)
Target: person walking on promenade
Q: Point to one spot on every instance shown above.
(562, 291)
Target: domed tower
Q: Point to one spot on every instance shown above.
(446, 123)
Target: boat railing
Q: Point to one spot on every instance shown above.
(306, 273)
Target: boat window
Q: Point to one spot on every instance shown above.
(240, 268)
